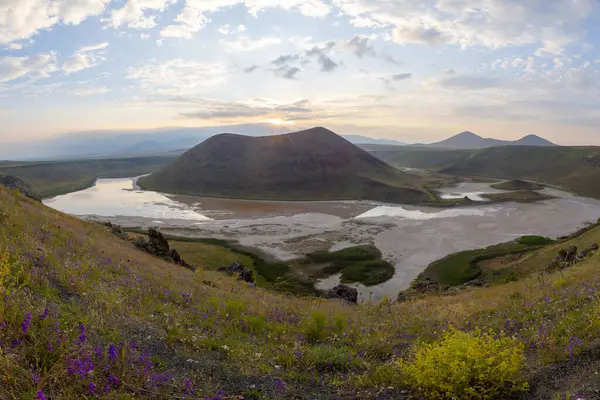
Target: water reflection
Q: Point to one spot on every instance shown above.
(119, 197)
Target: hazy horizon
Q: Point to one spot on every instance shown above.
(417, 72)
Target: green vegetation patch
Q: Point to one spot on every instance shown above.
(459, 268)
(517, 184)
(357, 264)
(532, 240)
(520, 196)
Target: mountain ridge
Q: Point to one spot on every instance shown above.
(470, 140)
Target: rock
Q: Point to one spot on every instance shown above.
(238, 269)
(343, 292)
(568, 255)
(158, 246)
(582, 255)
(593, 247)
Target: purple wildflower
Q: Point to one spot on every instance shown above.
(112, 352)
(25, 324)
(113, 381)
(2, 325)
(279, 386)
(574, 343)
(92, 387)
(44, 314)
(40, 395)
(49, 347)
(36, 379)
(188, 387)
(82, 336)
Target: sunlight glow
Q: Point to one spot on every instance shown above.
(277, 121)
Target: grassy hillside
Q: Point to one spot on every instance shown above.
(52, 178)
(574, 168)
(315, 164)
(83, 314)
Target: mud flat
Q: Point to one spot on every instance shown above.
(409, 237)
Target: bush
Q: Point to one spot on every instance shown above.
(535, 240)
(315, 327)
(330, 358)
(461, 365)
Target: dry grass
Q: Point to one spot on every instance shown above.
(208, 333)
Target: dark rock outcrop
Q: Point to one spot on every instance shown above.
(343, 292)
(14, 183)
(238, 269)
(158, 246)
(422, 286)
(570, 256)
(116, 230)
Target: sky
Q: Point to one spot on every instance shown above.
(412, 70)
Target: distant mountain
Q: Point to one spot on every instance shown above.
(314, 164)
(116, 143)
(469, 140)
(359, 139)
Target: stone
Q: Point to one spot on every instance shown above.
(593, 247)
(158, 246)
(343, 292)
(238, 269)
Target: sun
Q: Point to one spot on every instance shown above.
(279, 122)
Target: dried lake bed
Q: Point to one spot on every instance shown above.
(409, 237)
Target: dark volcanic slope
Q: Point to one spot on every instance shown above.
(309, 165)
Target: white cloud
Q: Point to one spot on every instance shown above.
(21, 19)
(88, 90)
(552, 25)
(241, 28)
(138, 14)
(245, 43)
(225, 30)
(85, 57)
(189, 21)
(33, 67)
(95, 47)
(144, 35)
(178, 76)
(15, 46)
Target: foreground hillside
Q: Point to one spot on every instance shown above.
(315, 164)
(574, 168)
(83, 314)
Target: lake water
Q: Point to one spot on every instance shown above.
(409, 237)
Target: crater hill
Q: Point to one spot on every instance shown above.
(314, 164)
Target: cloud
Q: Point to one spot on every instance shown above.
(251, 68)
(88, 91)
(137, 14)
(99, 46)
(21, 19)
(84, 58)
(244, 44)
(551, 25)
(326, 63)
(360, 46)
(177, 76)
(419, 34)
(401, 77)
(189, 21)
(468, 82)
(288, 72)
(395, 78)
(15, 46)
(285, 59)
(33, 67)
(211, 109)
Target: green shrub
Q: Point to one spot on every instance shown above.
(476, 365)
(339, 324)
(535, 240)
(315, 327)
(330, 358)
